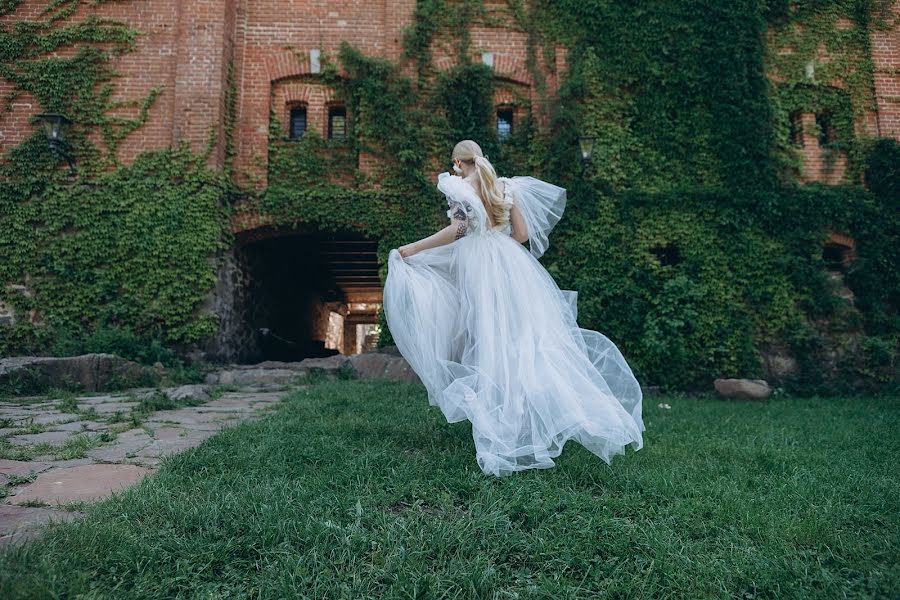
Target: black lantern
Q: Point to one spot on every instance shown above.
(586, 145)
(56, 129)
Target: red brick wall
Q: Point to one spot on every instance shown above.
(187, 45)
(182, 46)
(816, 165)
(886, 56)
(272, 56)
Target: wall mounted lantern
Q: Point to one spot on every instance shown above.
(586, 145)
(56, 129)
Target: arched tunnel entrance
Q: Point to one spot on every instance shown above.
(304, 294)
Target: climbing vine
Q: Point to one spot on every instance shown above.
(819, 57)
(686, 237)
(118, 246)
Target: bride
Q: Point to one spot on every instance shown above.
(492, 336)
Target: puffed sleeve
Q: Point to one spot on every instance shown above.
(463, 202)
(542, 205)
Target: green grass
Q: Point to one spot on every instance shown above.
(361, 490)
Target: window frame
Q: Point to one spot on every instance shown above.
(511, 111)
(291, 109)
(330, 110)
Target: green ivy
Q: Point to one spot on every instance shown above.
(686, 237)
(100, 253)
(805, 79)
(126, 247)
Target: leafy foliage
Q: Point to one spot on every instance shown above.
(126, 248)
(102, 254)
(687, 237)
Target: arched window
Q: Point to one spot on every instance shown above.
(297, 123)
(337, 123)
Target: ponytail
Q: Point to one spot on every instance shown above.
(487, 183)
(470, 152)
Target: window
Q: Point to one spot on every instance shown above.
(835, 256)
(796, 130)
(826, 127)
(667, 255)
(504, 123)
(337, 123)
(298, 123)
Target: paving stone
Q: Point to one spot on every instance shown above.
(229, 402)
(22, 523)
(166, 447)
(8, 407)
(95, 400)
(45, 418)
(72, 462)
(5, 431)
(112, 407)
(82, 483)
(151, 462)
(55, 438)
(194, 426)
(127, 442)
(185, 416)
(168, 433)
(21, 467)
(79, 426)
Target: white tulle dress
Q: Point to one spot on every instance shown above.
(495, 340)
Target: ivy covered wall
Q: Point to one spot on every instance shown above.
(688, 237)
(128, 246)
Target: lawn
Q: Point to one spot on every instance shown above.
(361, 490)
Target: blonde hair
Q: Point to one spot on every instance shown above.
(470, 152)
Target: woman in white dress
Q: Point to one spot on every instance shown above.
(492, 336)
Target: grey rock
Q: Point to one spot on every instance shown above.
(378, 365)
(743, 389)
(331, 364)
(189, 393)
(108, 408)
(277, 364)
(248, 376)
(92, 372)
(390, 350)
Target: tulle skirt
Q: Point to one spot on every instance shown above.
(495, 341)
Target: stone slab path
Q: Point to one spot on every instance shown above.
(59, 454)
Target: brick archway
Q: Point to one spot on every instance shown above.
(839, 249)
(295, 292)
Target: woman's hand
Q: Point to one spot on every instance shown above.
(407, 250)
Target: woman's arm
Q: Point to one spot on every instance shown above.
(452, 232)
(519, 227)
